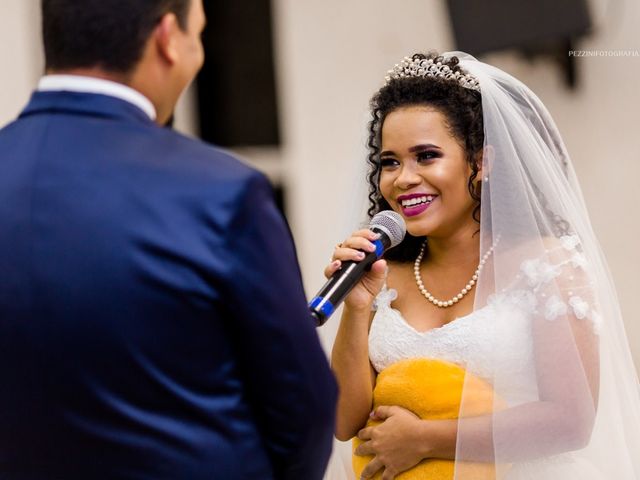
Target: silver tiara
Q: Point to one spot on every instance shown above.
(426, 67)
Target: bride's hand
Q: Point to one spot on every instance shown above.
(397, 443)
(363, 294)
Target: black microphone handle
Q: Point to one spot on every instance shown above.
(343, 280)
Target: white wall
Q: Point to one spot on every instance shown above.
(20, 54)
(333, 54)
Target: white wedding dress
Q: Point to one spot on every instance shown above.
(500, 334)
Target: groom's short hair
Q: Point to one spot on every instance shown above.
(110, 34)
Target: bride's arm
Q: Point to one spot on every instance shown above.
(353, 371)
(350, 356)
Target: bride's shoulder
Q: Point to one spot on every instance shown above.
(540, 261)
(560, 259)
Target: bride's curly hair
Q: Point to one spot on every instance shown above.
(462, 108)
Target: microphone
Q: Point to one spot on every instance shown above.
(392, 229)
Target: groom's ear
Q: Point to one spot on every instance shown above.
(165, 38)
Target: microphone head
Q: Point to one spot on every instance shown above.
(390, 223)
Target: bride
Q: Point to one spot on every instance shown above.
(489, 343)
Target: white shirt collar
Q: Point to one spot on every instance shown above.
(83, 84)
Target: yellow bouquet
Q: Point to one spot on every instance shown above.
(432, 389)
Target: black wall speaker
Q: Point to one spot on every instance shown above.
(237, 100)
(534, 27)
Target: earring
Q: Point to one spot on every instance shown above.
(485, 179)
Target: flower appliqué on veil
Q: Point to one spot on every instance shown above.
(538, 272)
(570, 242)
(579, 261)
(597, 321)
(579, 306)
(554, 308)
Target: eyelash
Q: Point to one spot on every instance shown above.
(425, 156)
(388, 162)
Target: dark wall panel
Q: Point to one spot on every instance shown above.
(237, 99)
(482, 26)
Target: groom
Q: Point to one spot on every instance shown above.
(152, 319)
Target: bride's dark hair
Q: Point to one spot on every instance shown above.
(462, 108)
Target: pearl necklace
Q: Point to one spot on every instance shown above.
(468, 287)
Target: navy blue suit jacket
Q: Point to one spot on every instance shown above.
(153, 323)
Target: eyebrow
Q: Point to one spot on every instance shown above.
(414, 149)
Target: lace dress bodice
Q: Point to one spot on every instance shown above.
(498, 333)
(473, 341)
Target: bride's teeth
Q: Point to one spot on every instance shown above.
(410, 202)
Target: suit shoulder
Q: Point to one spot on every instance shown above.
(210, 158)
(211, 171)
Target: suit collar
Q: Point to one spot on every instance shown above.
(80, 103)
(88, 84)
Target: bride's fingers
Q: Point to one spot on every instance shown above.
(347, 253)
(379, 268)
(365, 233)
(388, 474)
(372, 468)
(331, 268)
(362, 240)
(377, 275)
(354, 248)
(364, 449)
